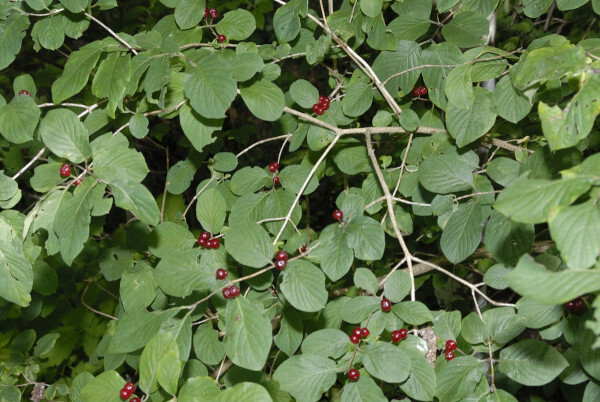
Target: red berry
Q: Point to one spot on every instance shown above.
(569, 306)
(227, 293)
(386, 305)
(276, 180)
(337, 215)
(65, 170)
(357, 331)
(322, 99)
(234, 291)
(365, 332)
(578, 305)
(125, 394)
(280, 264)
(202, 242)
(24, 92)
(416, 91)
(130, 387)
(273, 167)
(135, 399)
(214, 243)
(281, 255)
(396, 336)
(422, 91)
(213, 13)
(450, 345)
(353, 375)
(205, 235)
(325, 105)
(354, 338)
(221, 38)
(319, 110)
(403, 333)
(449, 355)
(302, 249)
(205, 12)
(316, 107)
(222, 274)
(77, 182)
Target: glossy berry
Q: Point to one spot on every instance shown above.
(226, 293)
(276, 180)
(221, 38)
(135, 399)
(578, 305)
(354, 339)
(302, 249)
(322, 98)
(125, 394)
(357, 331)
(130, 387)
(365, 332)
(214, 243)
(337, 215)
(281, 255)
(386, 305)
(24, 92)
(222, 274)
(204, 235)
(318, 109)
(422, 91)
(273, 167)
(77, 182)
(353, 375)
(213, 13)
(403, 333)
(416, 91)
(280, 264)
(202, 242)
(450, 345)
(206, 12)
(325, 106)
(65, 170)
(449, 355)
(396, 337)
(234, 291)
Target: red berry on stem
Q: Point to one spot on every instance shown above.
(65, 170)
(214, 243)
(234, 291)
(202, 242)
(449, 355)
(206, 12)
(422, 91)
(221, 38)
(353, 375)
(357, 331)
(125, 394)
(276, 180)
(354, 339)
(205, 235)
(213, 13)
(130, 387)
(365, 332)
(227, 293)
(135, 399)
(320, 110)
(403, 333)
(450, 345)
(280, 264)
(77, 182)
(302, 249)
(222, 274)
(337, 215)
(24, 92)
(416, 91)
(578, 305)
(396, 336)
(273, 167)
(386, 305)
(322, 98)
(325, 105)
(281, 255)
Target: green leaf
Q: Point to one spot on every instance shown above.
(304, 93)
(211, 210)
(249, 337)
(77, 71)
(530, 201)
(326, 342)
(569, 4)
(249, 244)
(180, 273)
(534, 281)
(8, 187)
(18, 119)
(412, 312)
(358, 308)
(406, 56)
(483, 7)
(507, 240)
(588, 169)
(211, 87)
(444, 53)
(290, 334)
(155, 350)
(397, 286)
(158, 75)
(110, 81)
(135, 329)
(503, 324)
(138, 125)
(264, 99)
(189, 13)
(363, 390)
(248, 208)
(249, 179)
(365, 279)
(11, 37)
(446, 174)
(277, 205)
(138, 287)
(472, 120)
(535, 8)
(136, 198)
(304, 286)
(64, 134)
(421, 382)
(467, 29)
(337, 256)
(351, 157)
(531, 362)
(198, 389)
(115, 161)
(237, 24)
(207, 346)
(169, 368)
(16, 274)
(462, 233)
(459, 85)
(198, 129)
(293, 177)
(371, 8)
(409, 27)
(494, 277)
(169, 237)
(74, 6)
(246, 65)
(104, 388)
(49, 33)
(246, 391)
(72, 224)
(447, 324)
(286, 23)
(538, 315)
(224, 162)
(564, 128)
(306, 376)
(358, 99)
(386, 362)
(366, 237)
(457, 378)
(503, 170)
(512, 105)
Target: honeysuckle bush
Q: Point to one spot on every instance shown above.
(472, 207)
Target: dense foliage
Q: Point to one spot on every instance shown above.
(273, 200)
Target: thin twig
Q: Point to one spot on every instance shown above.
(110, 31)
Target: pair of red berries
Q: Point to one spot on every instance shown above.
(126, 392)
(323, 104)
(399, 335)
(281, 258)
(212, 13)
(575, 306)
(450, 347)
(231, 292)
(24, 92)
(222, 274)
(419, 91)
(273, 168)
(337, 215)
(357, 334)
(386, 305)
(353, 375)
(206, 241)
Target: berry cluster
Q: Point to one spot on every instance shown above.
(323, 104)
(273, 168)
(337, 215)
(206, 241)
(222, 274)
(399, 335)
(65, 170)
(358, 334)
(231, 292)
(419, 91)
(450, 346)
(281, 258)
(24, 92)
(126, 392)
(575, 306)
(353, 375)
(386, 305)
(213, 14)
